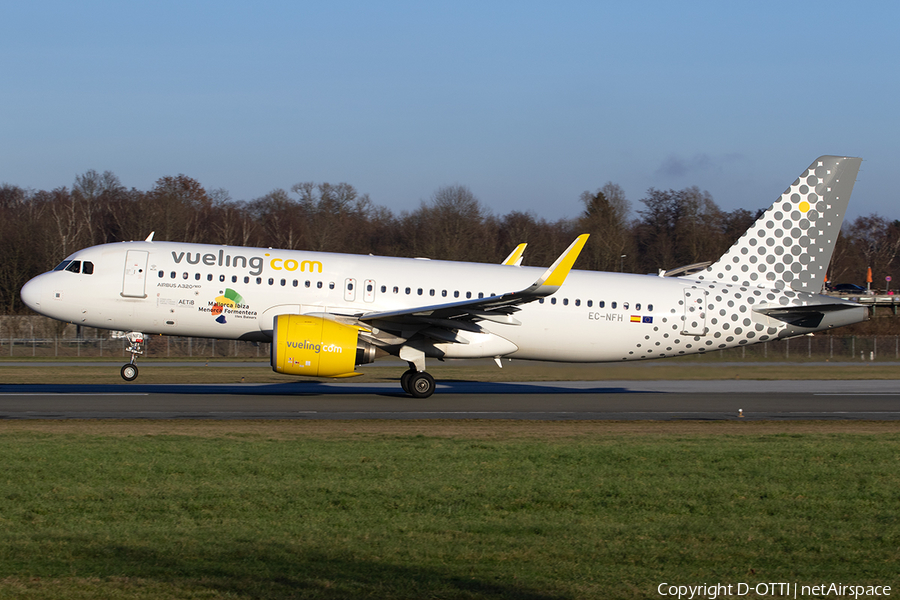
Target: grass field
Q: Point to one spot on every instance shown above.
(118, 509)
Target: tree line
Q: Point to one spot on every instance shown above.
(671, 228)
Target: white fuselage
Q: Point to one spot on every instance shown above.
(230, 292)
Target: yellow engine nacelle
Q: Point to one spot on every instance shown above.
(308, 345)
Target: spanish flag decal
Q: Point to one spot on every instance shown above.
(635, 319)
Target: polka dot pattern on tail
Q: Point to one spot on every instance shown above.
(791, 244)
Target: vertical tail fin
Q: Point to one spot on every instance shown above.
(791, 244)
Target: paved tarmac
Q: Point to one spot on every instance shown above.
(569, 400)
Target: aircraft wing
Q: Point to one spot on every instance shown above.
(465, 314)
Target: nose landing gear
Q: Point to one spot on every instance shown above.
(136, 339)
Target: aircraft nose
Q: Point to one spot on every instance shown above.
(31, 294)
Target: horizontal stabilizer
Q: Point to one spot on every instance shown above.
(810, 316)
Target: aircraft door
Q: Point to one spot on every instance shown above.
(349, 290)
(135, 280)
(694, 312)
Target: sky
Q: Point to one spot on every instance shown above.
(528, 104)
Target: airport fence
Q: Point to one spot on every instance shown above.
(38, 337)
(154, 347)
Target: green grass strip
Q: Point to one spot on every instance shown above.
(249, 516)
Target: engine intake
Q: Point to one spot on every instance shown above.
(317, 347)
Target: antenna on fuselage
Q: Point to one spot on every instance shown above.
(150, 237)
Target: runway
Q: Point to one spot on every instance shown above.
(558, 401)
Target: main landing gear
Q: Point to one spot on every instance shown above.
(130, 370)
(417, 384)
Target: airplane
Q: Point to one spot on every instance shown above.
(324, 314)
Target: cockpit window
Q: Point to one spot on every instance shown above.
(76, 266)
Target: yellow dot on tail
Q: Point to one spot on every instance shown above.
(804, 206)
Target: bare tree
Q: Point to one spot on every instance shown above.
(450, 226)
(876, 241)
(179, 208)
(91, 195)
(605, 217)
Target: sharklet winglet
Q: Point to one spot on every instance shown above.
(515, 257)
(556, 275)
